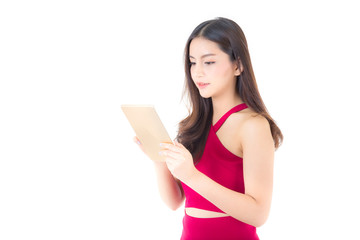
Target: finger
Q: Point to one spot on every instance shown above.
(136, 140)
(178, 144)
(173, 155)
(170, 147)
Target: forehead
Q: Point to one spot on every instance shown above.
(201, 46)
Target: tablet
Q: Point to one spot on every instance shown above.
(148, 128)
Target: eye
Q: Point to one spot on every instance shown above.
(209, 63)
(191, 63)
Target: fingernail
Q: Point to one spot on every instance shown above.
(161, 144)
(160, 153)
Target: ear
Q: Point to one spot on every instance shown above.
(238, 70)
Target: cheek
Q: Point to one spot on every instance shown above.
(220, 71)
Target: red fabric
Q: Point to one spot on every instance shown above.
(222, 228)
(225, 168)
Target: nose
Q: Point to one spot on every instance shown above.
(197, 71)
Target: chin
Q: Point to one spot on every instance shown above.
(205, 95)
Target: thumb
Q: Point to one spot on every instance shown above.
(178, 144)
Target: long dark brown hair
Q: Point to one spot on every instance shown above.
(193, 130)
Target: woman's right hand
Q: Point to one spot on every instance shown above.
(138, 142)
(170, 189)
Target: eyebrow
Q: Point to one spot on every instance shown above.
(205, 55)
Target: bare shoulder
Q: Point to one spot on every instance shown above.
(255, 131)
(250, 120)
(255, 123)
(243, 129)
(250, 125)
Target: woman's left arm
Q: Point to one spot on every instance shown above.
(252, 207)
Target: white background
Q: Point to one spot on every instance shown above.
(68, 166)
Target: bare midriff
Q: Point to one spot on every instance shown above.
(200, 213)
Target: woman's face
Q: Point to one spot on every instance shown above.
(211, 69)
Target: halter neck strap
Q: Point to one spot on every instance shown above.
(226, 115)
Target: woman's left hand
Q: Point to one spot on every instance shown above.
(178, 160)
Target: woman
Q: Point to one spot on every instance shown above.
(222, 159)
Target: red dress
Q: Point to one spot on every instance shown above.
(225, 168)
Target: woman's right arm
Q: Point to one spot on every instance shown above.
(170, 189)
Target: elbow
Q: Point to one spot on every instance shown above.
(174, 206)
(256, 218)
(259, 222)
(261, 214)
(259, 219)
(255, 221)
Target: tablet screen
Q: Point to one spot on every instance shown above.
(148, 128)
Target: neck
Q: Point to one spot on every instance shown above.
(223, 104)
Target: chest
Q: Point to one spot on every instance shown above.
(229, 137)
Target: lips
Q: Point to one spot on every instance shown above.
(202, 84)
